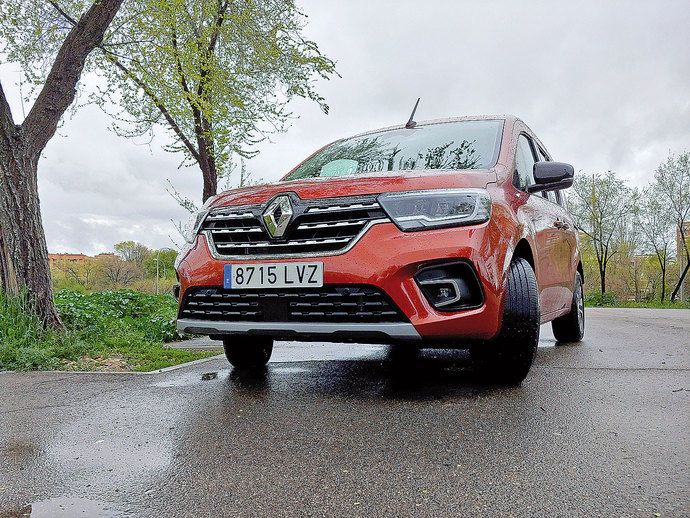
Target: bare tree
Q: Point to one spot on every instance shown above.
(599, 204)
(82, 272)
(23, 246)
(672, 187)
(119, 272)
(656, 226)
(133, 252)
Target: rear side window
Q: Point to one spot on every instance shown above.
(560, 199)
(552, 196)
(524, 164)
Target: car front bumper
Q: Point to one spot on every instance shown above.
(386, 258)
(329, 332)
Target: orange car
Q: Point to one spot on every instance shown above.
(447, 233)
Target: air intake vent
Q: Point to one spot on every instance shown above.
(326, 226)
(332, 303)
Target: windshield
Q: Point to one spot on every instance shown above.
(450, 145)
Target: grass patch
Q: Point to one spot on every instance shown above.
(610, 300)
(109, 330)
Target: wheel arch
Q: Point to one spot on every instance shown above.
(524, 250)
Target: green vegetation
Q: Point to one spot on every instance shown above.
(610, 300)
(135, 267)
(634, 242)
(109, 330)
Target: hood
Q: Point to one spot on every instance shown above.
(353, 185)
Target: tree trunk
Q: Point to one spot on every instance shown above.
(23, 249)
(207, 163)
(602, 277)
(680, 281)
(208, 172)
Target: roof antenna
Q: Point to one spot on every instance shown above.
(411, 123)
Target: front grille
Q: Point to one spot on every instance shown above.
(332, 303)
(325, 226)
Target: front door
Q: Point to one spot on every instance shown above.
(549, 239)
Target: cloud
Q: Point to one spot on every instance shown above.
(606, 85)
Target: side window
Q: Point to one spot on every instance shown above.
(524, 164)
(542, 156)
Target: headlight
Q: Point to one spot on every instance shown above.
(191, 228)
(437, 208)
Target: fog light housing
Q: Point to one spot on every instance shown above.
(450, 286)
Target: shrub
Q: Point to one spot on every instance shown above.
(107, 311)
(598, 299)
(122, 323)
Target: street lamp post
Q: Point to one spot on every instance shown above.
(157, 262)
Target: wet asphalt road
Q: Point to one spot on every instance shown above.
(597, 429)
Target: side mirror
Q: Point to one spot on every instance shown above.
(552, 175)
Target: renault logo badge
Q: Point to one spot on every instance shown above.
(277, 216)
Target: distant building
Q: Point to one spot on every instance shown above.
(54, 259)
(68, 258)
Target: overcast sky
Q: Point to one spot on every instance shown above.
(605, 85)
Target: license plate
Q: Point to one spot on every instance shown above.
(273, 275)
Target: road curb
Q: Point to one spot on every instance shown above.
(157, 371)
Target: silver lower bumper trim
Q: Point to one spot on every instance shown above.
(306, 330)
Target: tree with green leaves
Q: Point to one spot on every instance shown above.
(599, 204)
(217, 74)
(24, 264)
(161, 262)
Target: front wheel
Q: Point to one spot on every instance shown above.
(247, 353)
(507, 358)
(571, 326)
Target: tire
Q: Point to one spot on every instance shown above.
(248, 353)
(506, 359)
(571, 326)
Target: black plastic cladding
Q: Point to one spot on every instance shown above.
(463, 270)
(332, 303)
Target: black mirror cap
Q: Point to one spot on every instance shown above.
(551, 172)
(549, 176)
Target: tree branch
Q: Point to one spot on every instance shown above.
(203, 74)
(188, 94)
(156, 101)
(110, 56)
(7, 127)
(62, 12)
(60, 86)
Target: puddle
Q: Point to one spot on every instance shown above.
(68, 508)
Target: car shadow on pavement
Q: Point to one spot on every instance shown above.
(400, 375)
